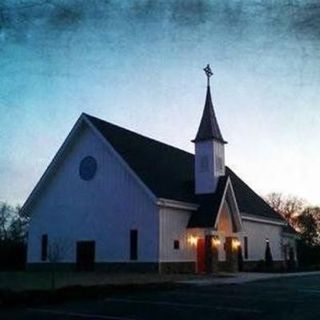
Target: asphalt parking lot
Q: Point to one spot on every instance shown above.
(285, 298)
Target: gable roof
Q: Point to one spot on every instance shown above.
(165, 170)
(209, 205)
(169, 172)
(209, 128)
(249, 201)
(290, 230)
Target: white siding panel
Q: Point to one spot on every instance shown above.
(257, 234)
(103, 209)
(173, 226)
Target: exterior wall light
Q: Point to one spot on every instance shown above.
(192, 240)
(215, 241)
(235, 243)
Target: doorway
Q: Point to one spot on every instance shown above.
(201, 265)
(85, 255)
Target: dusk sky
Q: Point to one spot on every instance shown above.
(138, 64)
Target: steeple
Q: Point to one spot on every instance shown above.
(209, 128)
(209, 147)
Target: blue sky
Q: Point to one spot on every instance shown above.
(139, 64)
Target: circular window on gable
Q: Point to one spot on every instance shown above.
(88, 168)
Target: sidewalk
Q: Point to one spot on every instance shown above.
(244, 277)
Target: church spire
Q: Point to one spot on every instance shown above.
(209, 128)
(209, 148)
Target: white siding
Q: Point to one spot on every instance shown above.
(206, 179)
(173, 226)
(219, 154)
(289, 241)
(257, 234)
(103, 209)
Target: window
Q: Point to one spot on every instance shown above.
(219, 164)
(87, 168)
(176, 244)
(246, 247)
(44, 247)
(133, 244)
(204, 163)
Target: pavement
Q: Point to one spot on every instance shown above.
(294, 297)
(244, 277)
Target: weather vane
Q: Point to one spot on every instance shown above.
(208, 72)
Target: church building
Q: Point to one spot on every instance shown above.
(114, 200)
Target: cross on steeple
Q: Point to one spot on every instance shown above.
(209, 128)
(209, 73)
(209, 164)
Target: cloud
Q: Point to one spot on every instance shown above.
(66, 16)
(298, 18)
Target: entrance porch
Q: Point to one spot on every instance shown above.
(216, 254)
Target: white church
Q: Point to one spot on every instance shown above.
(114, 200)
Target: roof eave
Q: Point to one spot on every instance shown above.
(209, 138)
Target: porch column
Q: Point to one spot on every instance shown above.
(211, 255)
(231, 248)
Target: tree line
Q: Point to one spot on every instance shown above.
(305, 220)
(13, 237)
(13, 223)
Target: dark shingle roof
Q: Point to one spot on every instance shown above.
(208, 207)
(165, 170)
(169, 172)
(209, 128)
(289, 230)
(248, 201)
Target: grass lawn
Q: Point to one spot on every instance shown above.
(24, 280)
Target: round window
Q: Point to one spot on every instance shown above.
(88, 168)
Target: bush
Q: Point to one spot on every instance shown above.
(268, 257)
(13, 255)
(308, 255)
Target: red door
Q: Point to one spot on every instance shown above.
(201, 256)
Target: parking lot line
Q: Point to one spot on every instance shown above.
(317, 291)
(77, 314)
(182, 305)
(247, 296)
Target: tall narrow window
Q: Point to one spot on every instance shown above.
(133, 244)
(204, 164)
(246, 247)
(219, 164)
(44, 247)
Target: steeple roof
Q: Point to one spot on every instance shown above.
(209, 128)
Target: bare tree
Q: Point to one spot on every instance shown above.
(290, 207)
(5, 212)
(18, 227)
(57, 252)
(308, 224)
(13, 223)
